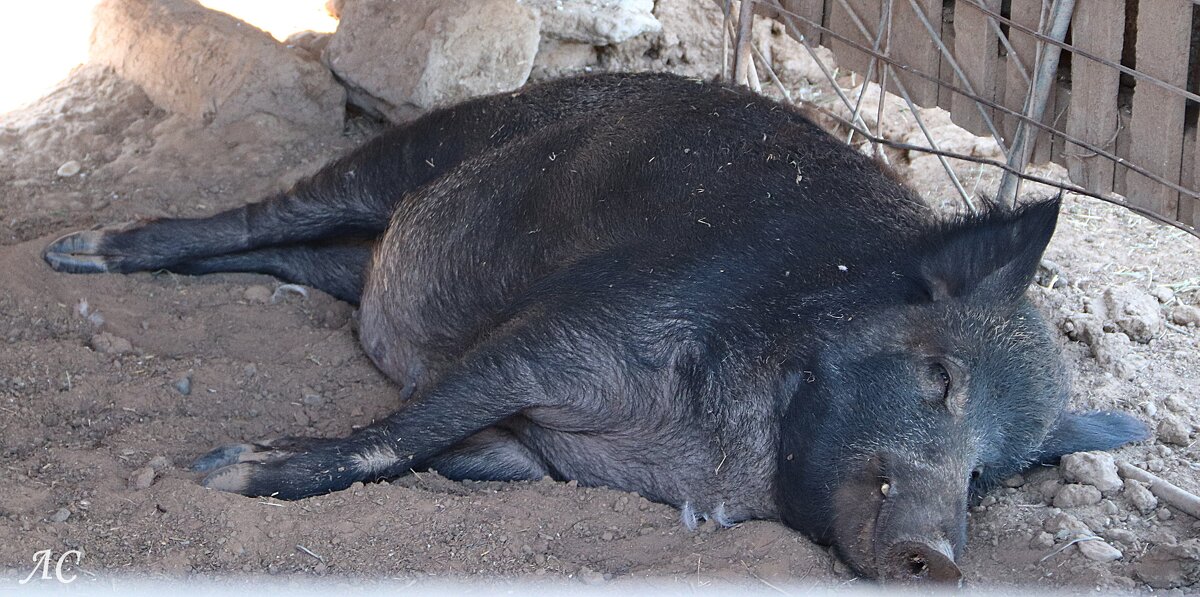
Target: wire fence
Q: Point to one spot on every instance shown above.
(1107, 88)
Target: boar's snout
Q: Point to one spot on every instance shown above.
(920, 561)
(902, 520)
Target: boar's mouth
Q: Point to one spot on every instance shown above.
(896, 540)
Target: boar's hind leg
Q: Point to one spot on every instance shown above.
(490, 455)
(337, 269)
(323, 208)
(489, 386)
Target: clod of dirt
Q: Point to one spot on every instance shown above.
(1135, 312)
(589, 577)
(1074, 495)
(1186, 315)
(1098, 469)
(68, 169)
(1170, 566)
(1173, 429)
(141, 478)
(107, 343)
(1041, 540)
(1123, 536)
(257, 294)
(1176, 403)
(1140, 496)
(440, 52)
(1164, 294)
(233, 70)
(1099, 551)
(183, 385)
(1065, 526)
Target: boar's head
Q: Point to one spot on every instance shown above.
(932, 383)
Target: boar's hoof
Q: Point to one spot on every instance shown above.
(286, 468)
(78, 253)
(913, 561)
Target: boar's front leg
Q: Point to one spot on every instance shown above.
(494, 382)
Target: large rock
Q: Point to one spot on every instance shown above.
(596, 22)
(400, 59)
(210, 66)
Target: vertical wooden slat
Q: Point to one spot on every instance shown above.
(1189, 207)
(1156, 144)
(911, 46)
(1187, 176)
(945, 72)
(1098, 28)
(1027, 13)
(976, 49)
(849, 58)
(809, 9)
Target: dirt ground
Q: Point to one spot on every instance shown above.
(96, 431)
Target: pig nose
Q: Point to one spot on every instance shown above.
(919, 562)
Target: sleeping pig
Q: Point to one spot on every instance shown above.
(667, 286)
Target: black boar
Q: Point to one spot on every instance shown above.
(666, 286)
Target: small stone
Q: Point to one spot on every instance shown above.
(1124, 536)
(68, 169)
(1135, 312)
(1074, 495)
(60, 515)
(257, 294)
(106, 342)
(1175, 403)
(1049, 488)
(589, 576)
(1016, 480)
(987, 501)
(1109, 508)
(1163, 514)
(159, 463)
(1186, 315)
(1128, 366)
(1139, 495)
(1050, 275)
(312, 398)
(606, 536)
(1098, 551)
(183, 385)
(141, 478)
(1041, 540)
(1098, 469)
(1163, 294)
(1066, 524)
(1174, 430)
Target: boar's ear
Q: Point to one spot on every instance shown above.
(1086, 432)
(995, 254)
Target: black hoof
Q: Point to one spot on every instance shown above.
(78, 253)
(285, 468)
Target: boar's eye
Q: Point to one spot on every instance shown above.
(938, 380)
(976, 473)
